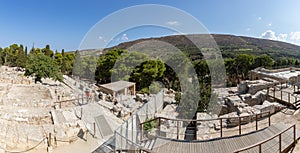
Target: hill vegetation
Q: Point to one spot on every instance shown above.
(229, 45)
(241, 54)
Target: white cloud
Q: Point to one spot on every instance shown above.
(259, 18)
(269, 34)
(102, 38)
(270, 24)
(172, 23)
(248, 29)
(178, 33)
(282, 37)
(295, 36)
(124, 37)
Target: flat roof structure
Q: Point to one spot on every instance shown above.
(286, 74)
(290, 74)
(118, 87)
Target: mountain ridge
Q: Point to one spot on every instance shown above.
(229, 45)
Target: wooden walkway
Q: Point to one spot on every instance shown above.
(284, 97)
(230, 144)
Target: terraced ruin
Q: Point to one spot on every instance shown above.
(58, 117)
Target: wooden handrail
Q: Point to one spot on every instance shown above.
(63, 101)
(191, 120)
(254, 117)
(262, 142)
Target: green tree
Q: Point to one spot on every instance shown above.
(68, 61)
(21, 57)
(1, 56)
(47, 51)
(6, 51)
(78, 69)
(26, 51)
(32, 50)
(41, 66)
(105, 64)
(58, 59)
(263, 61)
(12, 54)
(202, 70)
(243, 63)
(89, 64)
(147, 72)
(231, 71)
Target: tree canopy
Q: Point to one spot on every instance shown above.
(42, 66)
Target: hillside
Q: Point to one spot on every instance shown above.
(229, 45)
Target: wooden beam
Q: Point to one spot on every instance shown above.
(177, 130)
(279, 142)
(256, 122)
(221, 128)
(240, 127)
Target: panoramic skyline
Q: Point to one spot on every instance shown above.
(63, 24)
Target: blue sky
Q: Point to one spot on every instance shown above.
(63, 24)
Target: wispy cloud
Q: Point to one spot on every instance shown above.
(124, 37)
(172, 23)
(101, 38)
(295, 36)
(282, 37)
(259, 18)
(269, 34)
(269, 25)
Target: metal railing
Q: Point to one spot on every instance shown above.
(80, 100)
(130, 146)
(259, 144)
(128, 132)
(179, 123)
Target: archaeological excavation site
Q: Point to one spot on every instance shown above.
(260, 114)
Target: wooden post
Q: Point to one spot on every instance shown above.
(94, 130)
(221, 130)
(240, 128)
(274, 92)
(82, 98)
(289, 97)
(269, 118)
(141, 132)
(281, 95)
(55, 141)
(295, 140)
(256, 122)
(49, 140)
(280, 85)
(280, 142)
(81, 113)
(294, 88)
(259, 148)
(177, 130)
(59, 104)
(159, 122)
